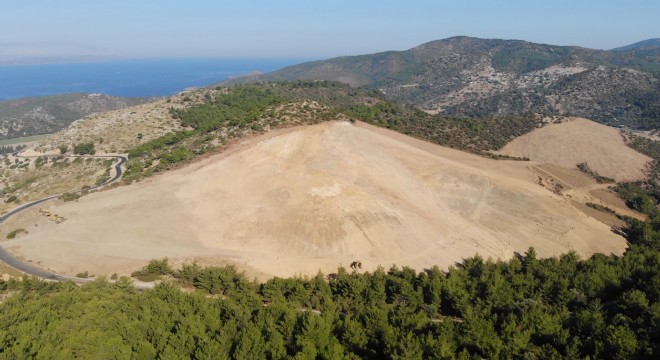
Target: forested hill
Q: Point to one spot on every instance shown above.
(48, 114)
(464, 76)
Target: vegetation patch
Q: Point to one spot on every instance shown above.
(600, 207)
(70, 196)
(242, 105)
(9, 149)
(11, 199)
(84, 149)
(21, 184)
(153, 271)
(643, 196)
(213, 280)
(40, 161)
(14, 233)
(640, 196)
(599, 178)
(105, 177)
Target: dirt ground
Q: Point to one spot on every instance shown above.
(313, 198)
(581, 141)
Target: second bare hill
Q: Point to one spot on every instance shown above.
(581, 141)
(313, 198)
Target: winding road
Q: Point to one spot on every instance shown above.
(29, 269)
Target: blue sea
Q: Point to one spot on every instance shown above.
(135, 78)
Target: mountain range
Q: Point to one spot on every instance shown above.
(455, 77)
(471, 77)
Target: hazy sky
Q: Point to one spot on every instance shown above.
(305, 28)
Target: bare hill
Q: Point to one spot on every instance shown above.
(298, 200)
(581, 141)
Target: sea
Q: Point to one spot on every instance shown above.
(133, 78)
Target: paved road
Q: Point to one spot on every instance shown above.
(28, 268)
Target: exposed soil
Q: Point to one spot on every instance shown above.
(314, 198)
(581, 141)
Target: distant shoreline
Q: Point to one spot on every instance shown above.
(127, 78)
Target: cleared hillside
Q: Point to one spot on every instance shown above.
(312, 198)
(578, 141)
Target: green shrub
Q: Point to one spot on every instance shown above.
(153, 270)
(69, 196)
(12, 234)
(84, 149)
(177, 155)
(599, 178)
(600, 207)
(213, 279)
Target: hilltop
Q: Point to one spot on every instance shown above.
(644, 45)
(471, 77)
(48, 114)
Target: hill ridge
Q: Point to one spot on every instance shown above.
(647, 44)
(474, 77)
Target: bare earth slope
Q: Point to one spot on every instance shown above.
(313, 198)
(581, 141)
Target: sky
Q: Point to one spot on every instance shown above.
(52, 30)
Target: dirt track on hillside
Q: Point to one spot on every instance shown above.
(314, 198)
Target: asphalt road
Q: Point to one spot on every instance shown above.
(28, 268)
